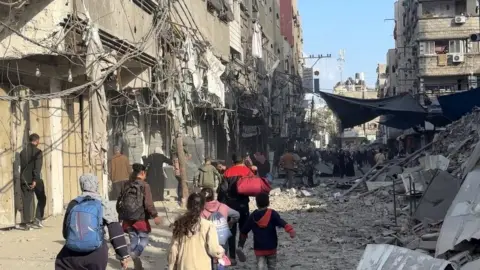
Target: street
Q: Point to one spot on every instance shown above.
(331, 235)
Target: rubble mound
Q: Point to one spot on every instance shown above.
(458, 140)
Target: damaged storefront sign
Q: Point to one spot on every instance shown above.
(461, 222)
(388, 257)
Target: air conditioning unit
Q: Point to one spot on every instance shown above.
(460, 19)
(458, 57)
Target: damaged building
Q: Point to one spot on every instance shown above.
(90, 75)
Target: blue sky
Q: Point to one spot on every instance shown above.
(357, 26)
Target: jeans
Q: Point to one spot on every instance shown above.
(138, 241)
(232, 241)
(267, 262)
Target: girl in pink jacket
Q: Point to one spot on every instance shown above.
(212, 206)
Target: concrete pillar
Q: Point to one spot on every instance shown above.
(55, 109)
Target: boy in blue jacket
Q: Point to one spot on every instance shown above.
(263, 222)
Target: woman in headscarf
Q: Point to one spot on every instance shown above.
(195, 239)
(70, 259)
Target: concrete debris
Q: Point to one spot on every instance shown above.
(331, 234)
(458, 141)
(304, 193)
(388, 257)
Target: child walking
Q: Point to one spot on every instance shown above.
(263, 222)
(135, 207)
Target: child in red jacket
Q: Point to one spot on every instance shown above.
(263, 222)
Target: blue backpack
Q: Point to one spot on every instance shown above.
(85, 225)
(221, 223)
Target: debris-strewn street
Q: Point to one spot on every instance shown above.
(331, 234)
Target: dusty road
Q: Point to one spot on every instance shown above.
(331, 235)
(37, 249)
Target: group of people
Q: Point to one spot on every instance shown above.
(210, 235)
(344, 161)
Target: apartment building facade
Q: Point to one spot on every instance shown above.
(443, 59)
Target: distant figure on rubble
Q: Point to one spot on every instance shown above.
(262, 164)
(120, 171)
(380, 157)
(287, 162)
(341, 163)
(349, 165)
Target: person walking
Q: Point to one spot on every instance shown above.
(194, 240)
(208, 175)
(120, 171)
(287, 162)
(223, 216)
(135, 207)
(83, 230)
(227, 194)
(263, 222)
(31, 162)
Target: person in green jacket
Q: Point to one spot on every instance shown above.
(208, 176)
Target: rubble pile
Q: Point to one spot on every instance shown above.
(441, 186)
(331, 234)
(458, 141)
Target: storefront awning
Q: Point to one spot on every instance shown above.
(353, 112)
(454, 106)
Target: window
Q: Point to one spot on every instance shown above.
(456, 46)
(427, 48)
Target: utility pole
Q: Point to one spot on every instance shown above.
(311, 110)
(318, 57)
(177, 129)
(341, 62)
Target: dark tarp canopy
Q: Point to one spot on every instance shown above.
(353, 111)
(454, 106)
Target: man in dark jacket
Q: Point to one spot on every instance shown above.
(227, 194)
(31, 162)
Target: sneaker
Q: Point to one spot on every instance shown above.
(38, 223)
(26, 227)
(241, 256)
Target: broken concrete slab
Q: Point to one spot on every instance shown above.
(427, 245)
(388, 257)
(377, 184)
(437, 197)
(430, 236)
(461, 222)
(433, 162)
(416, 182)
(475, 265)
(305, 193)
